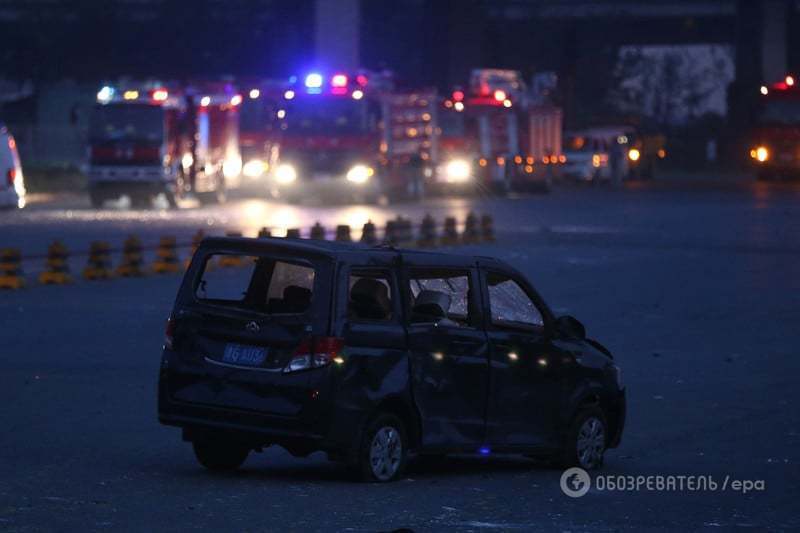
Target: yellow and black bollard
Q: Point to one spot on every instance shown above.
(427, 232)
(98, 266)
(471, 233)
(487, 228)
(368, 233)
(390, 234)
(131, 264)
(56, 267)
(343, 233)
(317, 232)
(166, 256)
(450, 232)
(11, 275)
(197, 238)
(264, 232)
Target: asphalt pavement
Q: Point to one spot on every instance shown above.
(693, 285)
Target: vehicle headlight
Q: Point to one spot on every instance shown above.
(633, 154)
(285, 174)
(232, 167)
(457, 170)
(254, 168)
(760, 154)
(360, 174)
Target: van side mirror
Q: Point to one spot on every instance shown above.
(571, 327)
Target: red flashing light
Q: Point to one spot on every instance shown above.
(361, 80)
(781, 86)
(339, 80)
(11, 175)
(458, 96)
(159, 95)
(500, 95)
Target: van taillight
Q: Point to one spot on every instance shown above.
(11, 175)
(169, 331)
(316, 352)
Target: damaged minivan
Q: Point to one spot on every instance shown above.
(376, 355)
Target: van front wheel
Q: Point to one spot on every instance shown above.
(220, 456)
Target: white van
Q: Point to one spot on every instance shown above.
(12, 186)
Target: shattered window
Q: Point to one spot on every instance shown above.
(510, 304)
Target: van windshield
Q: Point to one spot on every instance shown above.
(127, 122)
(255, 283)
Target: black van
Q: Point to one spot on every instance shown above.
(375, 354)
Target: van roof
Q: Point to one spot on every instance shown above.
(332, 249)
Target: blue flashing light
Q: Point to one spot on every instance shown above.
(484, 450)
(314, 80)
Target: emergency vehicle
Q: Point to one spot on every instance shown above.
(152, 138)
(494, 139)
(775, 140)
(353, 136)
(260, 116)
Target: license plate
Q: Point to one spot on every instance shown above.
(323, 177)
(239, 354)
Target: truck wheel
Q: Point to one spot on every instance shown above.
(586, 440)
(219, 455)
(384, 450)
(96, 199)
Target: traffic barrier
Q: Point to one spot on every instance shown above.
(293, 233)
(229, 260)
(487, 228)
(56, 267)
(343, 233)
(427, 232)
(197, 238)
(405, 230)
(450, 232)
(131, 264)
(369, 234)
(317, 232)
(166, 257)
(98, 265)
(264, 232)
(471, 233)
(390, 236)
(11, 275)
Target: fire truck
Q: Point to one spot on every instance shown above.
(493, 139)
(152, 138)
(353, 136)
(260, 117)
(775, 140)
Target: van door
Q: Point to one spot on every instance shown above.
(244, 327)
(449, 357)
(525, 369)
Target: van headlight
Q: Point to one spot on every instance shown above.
(760, 153)
(634, 154)
(285, 174)
(457, 171)
(254, 168)
(360, 174)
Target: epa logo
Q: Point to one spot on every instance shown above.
(575, 482)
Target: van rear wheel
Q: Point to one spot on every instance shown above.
(586, 440)
(220, 456)
(384, 450)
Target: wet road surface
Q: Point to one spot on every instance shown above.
(695, 287)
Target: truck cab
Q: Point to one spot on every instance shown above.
(775, 141)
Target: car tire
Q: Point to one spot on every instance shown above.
(96, 199)
(383, 452)
(586, 440)
(218, 455)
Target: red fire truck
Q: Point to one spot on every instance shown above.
(152, 138)
(260, 117)
(493, 140)
(353, 136)
(775, 141)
